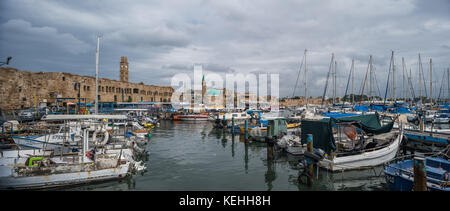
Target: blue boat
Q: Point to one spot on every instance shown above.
(399, 175)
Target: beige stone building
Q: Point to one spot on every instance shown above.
(24, 89)
(300, 101)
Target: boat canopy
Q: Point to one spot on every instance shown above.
(323, 134)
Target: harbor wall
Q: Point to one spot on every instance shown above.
(22, 89)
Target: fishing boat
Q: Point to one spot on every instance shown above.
(224, 120)
(70, 132)
(399, 174)
(355, 142)
(39, 168)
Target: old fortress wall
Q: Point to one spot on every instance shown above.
(22, 89)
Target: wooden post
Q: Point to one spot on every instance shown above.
(420, 174)
(232, 126)
(309, 148)
(246, 130)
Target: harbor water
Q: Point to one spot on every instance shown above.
(192, 156)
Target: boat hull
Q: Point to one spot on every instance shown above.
(55, 180)
(363, 160)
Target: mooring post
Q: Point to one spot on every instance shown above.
(309, 148)
(269, 143)
(246, 130)
(421, 124)
(232, 126)
(420, 174)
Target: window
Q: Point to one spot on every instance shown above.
(98, 97)
(115, 98)
(63, 78)
(136, 91)
(75, 86)
(235, 115)
(20, 89)
(24, 99)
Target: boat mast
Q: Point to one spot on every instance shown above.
(431, 83)
(389, 74)
(328, 77)
(96, 75)
(371, 88)
(334, 92)
(393, 77)
(306, 88)
(403, 81)
(352, 72)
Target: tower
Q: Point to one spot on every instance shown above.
(203, 88)
(124, 69)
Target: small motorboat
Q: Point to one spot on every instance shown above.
(399, 174)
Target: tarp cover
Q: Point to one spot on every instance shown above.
(322, 134)
(322, 130)
(370, 123)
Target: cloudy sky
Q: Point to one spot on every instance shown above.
(163, 38)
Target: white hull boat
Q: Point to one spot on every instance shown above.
(366, 159)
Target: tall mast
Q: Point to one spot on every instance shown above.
(352, 72)
(306, 88)
(371, 88)
(411, 90)
(393, 77)
(431, 83)
(403, 81)
(96, 75)
(448, 84)
(335, 67)
(420, 78)
(332, 73)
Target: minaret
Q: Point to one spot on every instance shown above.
(124, 69)
(203, 88)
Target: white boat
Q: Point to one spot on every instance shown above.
(366, 158)
(38, 168)
(238, 116)
(442, 119)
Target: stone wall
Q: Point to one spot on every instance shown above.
(22, 89)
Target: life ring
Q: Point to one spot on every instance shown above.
(105, 137)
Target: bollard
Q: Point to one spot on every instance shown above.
(309, 148)
(420, 174)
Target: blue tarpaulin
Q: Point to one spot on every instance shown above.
(361, 108)
(337, 115)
